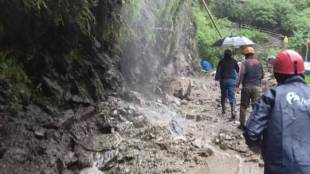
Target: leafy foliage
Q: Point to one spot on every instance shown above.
(206, 34)
(290, 18)
(301, 4)
(64, 12)
(256, 36)
(10, 68)
(307, 78)
(280, 15)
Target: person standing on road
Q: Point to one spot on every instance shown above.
(251, 75)
(280, 122)
(227, 74)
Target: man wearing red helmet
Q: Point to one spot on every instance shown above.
(251, 75)
(280, 121)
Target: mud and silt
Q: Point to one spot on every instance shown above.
(130, 135)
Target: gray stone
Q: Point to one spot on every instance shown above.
(133, 97)
(84, 113)
(190, 117)
(67, 118)
(91, 170)
(198, 143)
(18, 154)
(70, 158)
(52, 86)
(67, 96)
(82, 100)
(200, 118)
(40, 133)
(184, 102)
(85, 158)
(180, 88)
(228, 137)
(102, 160)
(33, 110)
(2, 152)
(175, 128)
(205, 152)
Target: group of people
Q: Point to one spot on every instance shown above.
(279, 125)
(230, 75)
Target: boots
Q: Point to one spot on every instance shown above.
(223, 107)
(223, 102)
(242, 117)
(233, 110)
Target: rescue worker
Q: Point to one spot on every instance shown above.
(251, 75)
(280, 121)
(227, 74)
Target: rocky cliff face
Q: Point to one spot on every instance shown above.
(163, 43)
(49, 101)
(131, 43)
(57, 58)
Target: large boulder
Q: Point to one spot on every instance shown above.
(180, 87)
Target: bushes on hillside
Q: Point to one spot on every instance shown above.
(290, 18)
(278, 15)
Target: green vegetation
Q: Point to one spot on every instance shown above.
(206, 34)
(256, 36)
(307, 78)
(279, 15)
(290, 18)
(10, 68)
(64, 12)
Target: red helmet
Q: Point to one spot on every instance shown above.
(288, 62)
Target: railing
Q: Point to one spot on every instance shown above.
(262, 30)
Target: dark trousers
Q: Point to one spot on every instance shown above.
(249, 95)
(228, 88)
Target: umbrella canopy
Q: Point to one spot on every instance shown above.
(233, 41)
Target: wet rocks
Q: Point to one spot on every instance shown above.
(2, 152)
(84, 158)
(133, 96)
(205, 152)
(70, 118)
(105, 141)
(51, 86)
(85, 113)
(104, 160)
(17, 155)
(40, 133)
(91, 170)
(231, 140)
(70, 158)
(268, 82)
(180, 88)
(168, 99)
(175, 128)
(198, 118)
(198, 143)
(190, 117)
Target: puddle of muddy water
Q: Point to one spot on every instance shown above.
(226, 163)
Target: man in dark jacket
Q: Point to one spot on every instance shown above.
(227, 73)
(280, 122)
(251, 75)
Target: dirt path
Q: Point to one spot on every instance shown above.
(215, 131)
(132, 135)
(188, 136)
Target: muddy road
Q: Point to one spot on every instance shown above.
(188, 135)
(181, 131)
